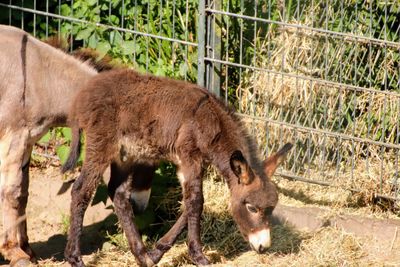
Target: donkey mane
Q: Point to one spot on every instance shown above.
(89, 56)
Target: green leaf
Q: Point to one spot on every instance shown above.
(104, 7)
(91, 2)
(115, 3)
(84, 34)
(128, 47)
(103, 48)
(92, 41)
(116, 38)
(67, 134)
(63, 152)
(65, 10)
(114, 19)
(45, 138)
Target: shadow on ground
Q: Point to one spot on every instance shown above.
(92, 240)
(93, 237)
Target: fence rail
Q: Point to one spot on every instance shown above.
(322, 74)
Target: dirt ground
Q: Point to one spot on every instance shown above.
(323, 245)
(47, 216)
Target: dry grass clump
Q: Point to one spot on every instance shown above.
(328, 247)
(330, 160)
(334, 200)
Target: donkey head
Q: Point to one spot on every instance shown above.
(255, 197)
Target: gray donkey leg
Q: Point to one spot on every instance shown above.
(14, 181)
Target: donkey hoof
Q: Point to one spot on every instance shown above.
(203, 261)
(200, 259)
(155, 255)
(75, 262)
(28, 250)
(20, 263)
(78, 264)
(149, 261)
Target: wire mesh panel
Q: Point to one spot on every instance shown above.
(321, 74)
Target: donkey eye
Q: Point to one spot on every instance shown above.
(251, 208)
(268, 211)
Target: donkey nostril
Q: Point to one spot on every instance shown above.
(261, 249)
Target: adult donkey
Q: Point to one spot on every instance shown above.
(134, 120)
(37, 84)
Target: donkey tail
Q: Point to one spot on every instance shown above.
(75, 150)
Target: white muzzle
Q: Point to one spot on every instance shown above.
(260, 240)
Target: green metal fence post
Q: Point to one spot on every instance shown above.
(201, 43)
(216, 46)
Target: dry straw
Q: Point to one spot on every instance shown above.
(323, 117)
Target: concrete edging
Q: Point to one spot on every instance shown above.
(386, 231)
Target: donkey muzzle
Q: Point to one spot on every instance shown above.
(260, 240)
(140, 200)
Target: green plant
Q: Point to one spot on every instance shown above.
(160, 57)
(60, 138)
(65, 223)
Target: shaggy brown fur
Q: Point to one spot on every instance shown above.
(132, 119)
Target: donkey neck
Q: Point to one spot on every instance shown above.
(62, 77)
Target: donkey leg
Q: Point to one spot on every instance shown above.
(14, 164)
(82, 192)
(141, 185)
(123, 208)
(166, 242)
(191, 177)
(23, 239)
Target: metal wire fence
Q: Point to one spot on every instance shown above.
(322, 74)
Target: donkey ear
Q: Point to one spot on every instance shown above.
(272, 162)
(240, 168)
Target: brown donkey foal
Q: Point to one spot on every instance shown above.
(132, 120)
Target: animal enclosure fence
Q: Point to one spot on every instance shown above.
(322, 74)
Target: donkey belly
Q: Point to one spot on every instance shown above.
(138, 151)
